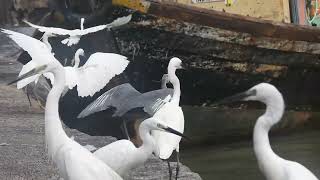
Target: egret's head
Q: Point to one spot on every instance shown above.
(155, 124)
(263, 92)
(176, 63)
(80, 52)
(41, 69)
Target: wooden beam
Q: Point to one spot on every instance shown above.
(211, 18)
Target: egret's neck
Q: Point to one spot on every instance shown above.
(76, 59)
(268, 161)
(176, 85)
(148, 143)
(45, 39)
(55, 135)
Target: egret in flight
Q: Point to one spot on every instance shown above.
(90, 78)
(271, 165)
(122, 155)
(171, 114)
(75, 35)
(125, 98)
(73, 161)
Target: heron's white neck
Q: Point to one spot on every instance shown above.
(81, 24)
(148, 143)
(77, 59)
(269, 162)
(164, 81)
(54, 133)
(176, 85)
(45, 39)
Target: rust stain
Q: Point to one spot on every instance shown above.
(275, 70)
(140, 5)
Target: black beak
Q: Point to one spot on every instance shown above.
(237, 97)
(170, 130)
(29, 74)
(183, 66)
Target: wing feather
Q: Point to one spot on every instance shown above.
(53, 30)
(112, 98)
(98, 71)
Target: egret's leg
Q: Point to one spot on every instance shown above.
(28, 96)
(178, 165)
(170, 170)
(124, 125)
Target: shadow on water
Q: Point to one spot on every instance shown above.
(237, 160)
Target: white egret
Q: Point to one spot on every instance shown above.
(75, 35)
(73, 161)
(171, 114)
(90, 78)
(271, 165)
(122, 155)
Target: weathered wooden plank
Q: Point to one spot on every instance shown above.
(217, 34)
(156, 43)
(211, 18)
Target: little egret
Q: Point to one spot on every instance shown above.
(89, 79)
(75, 35)
(271, 165)
(73, 161)
(122, 155)
(171, 114)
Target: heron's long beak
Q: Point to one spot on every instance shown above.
(170, 130)
(237, 97)
(183, 66)
(30, 73)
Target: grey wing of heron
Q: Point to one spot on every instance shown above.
(146, 101)
(112, 98)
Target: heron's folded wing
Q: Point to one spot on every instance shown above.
(115, 97)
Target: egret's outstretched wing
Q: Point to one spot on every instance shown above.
(121, 21)
(112, 98)
(52, 30)
(145, 101)
(118, 22)
(95, 73)
(38, 51)
(26, 68)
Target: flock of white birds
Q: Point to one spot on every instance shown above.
(161, 134)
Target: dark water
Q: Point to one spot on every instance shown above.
(237, 161)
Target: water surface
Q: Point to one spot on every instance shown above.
(236, 161)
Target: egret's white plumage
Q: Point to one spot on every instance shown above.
(73, 161)
(75, 35)
(90, 78)
(122, 155)
(171, 114)
(271, 165)
(102, 65)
